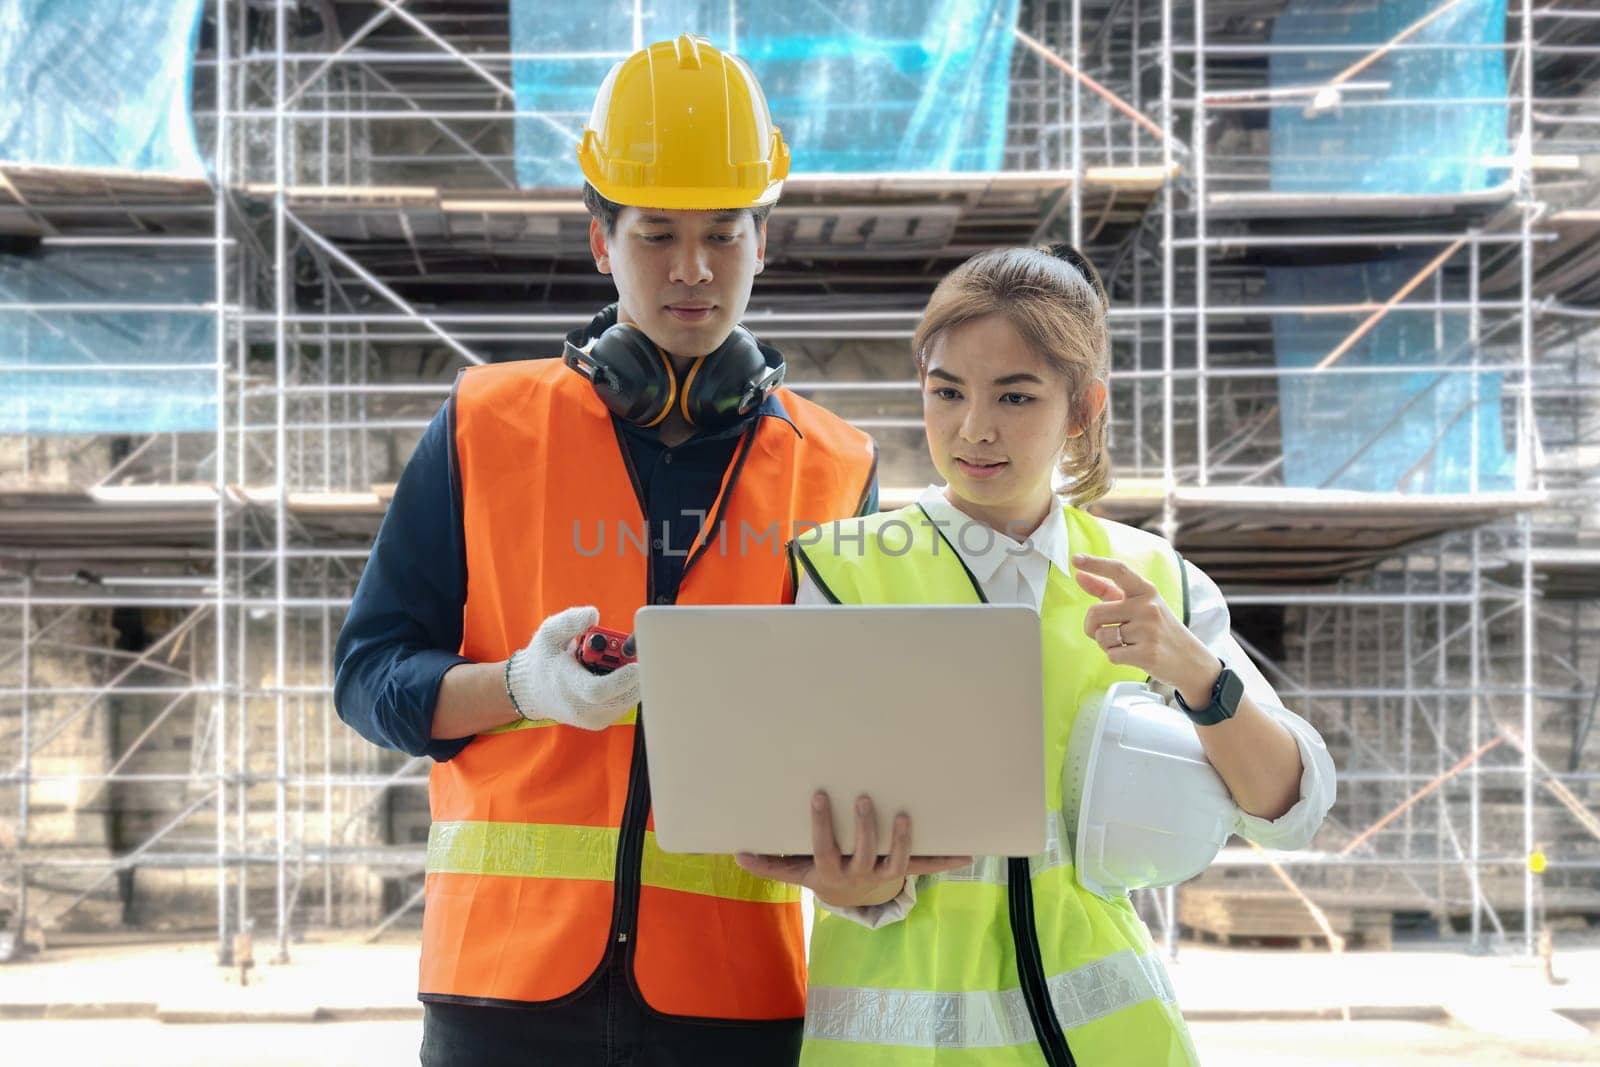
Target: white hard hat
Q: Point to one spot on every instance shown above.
(1143, 806)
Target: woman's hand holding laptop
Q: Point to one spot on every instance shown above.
(860, 879)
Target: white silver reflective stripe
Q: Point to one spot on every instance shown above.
(991, 870)
(989, 1019)
(1156, 972)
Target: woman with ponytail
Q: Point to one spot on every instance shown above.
(1015, 961)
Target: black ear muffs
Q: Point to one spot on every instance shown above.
(629, 373)
(635, 379)
(729, 383)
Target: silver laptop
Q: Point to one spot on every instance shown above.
(935, 711)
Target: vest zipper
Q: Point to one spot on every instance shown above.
(636, 807)
(1030, 967)
(630, 840)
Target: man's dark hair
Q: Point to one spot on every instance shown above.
(606, 211)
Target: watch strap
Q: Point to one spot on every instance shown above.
(1225, 695)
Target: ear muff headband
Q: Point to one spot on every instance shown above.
(730, 382)
(672, 384)
(688, 387)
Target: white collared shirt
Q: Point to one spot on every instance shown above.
(1012, 572)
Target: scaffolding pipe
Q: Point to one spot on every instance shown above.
(1158, 132)
(26, 765)
(1406, 805)
(96, 693)
(326, 62)
(122, 863)
(1075, 191)
(1525, 451)
(1389, 305)
(282, 317)
(1335, 942)
(1378, 53)
(281, 280)
(1169, 510)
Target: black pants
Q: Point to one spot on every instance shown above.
(606, 1026)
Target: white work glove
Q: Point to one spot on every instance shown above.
(546, 681)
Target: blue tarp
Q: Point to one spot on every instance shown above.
(1408, 433)
(99, 83)
(855, 85)
(102, 83)
(1414, 146)
(40, 399)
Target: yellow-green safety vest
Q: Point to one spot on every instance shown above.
(962, 979)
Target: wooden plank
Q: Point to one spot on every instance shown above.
(1253, 915)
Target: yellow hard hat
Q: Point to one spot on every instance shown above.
(682, 125)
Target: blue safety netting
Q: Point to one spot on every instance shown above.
(1403, 142)
(38, 344)
(855, 85)
(99, 83)
(1391, 432)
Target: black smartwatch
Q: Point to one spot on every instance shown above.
(1225, 696)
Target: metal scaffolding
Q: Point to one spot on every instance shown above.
(169, 601)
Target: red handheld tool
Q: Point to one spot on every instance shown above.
(603, 651)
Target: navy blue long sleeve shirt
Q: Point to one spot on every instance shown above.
(405, 620)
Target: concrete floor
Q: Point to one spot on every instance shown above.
(350, 1003)
(1273, 1044)
(117, 1042)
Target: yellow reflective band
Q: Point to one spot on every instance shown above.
(531, 850)
(711, 876)
(522, 850)
(534, 724)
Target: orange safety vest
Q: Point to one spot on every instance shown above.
(542, 857)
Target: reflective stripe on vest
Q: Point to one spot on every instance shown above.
(987, 1019)
(525, 850)
(538, 724)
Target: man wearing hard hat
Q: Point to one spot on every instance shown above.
(550, 496)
